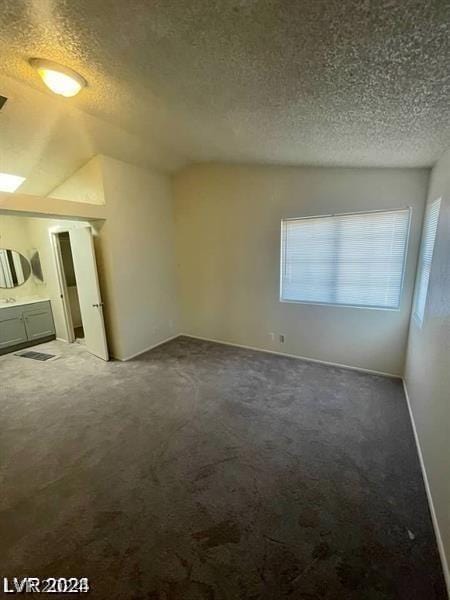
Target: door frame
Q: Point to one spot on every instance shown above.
(61, 276)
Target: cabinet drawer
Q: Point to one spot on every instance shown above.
(10, 312)
(44, 304)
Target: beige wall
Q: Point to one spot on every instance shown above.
(137, 258)
(86, 186)
(427, 372)
(228, 242)
(14, 235)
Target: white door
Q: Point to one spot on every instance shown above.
(91, 305)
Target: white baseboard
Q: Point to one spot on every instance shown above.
(172, 337)
(305, 358)
(437, 531)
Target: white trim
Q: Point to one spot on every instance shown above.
(437, 532)
(305, 358)
(348, 214)
(358, 306)
(172, 337)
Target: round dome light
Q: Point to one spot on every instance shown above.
(60, 80)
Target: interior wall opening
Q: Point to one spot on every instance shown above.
(73, 300)
(49, 284)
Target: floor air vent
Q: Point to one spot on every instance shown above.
(35, 355)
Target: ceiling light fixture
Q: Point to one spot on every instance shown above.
(10, 183)
(61, 80)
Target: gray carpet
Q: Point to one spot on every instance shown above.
(200, 471)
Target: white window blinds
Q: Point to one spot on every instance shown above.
(425, 258)
(354, 259)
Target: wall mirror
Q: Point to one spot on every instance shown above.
(14, 268)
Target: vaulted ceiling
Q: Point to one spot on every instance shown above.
(337, 82)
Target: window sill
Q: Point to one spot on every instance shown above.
(336, 305)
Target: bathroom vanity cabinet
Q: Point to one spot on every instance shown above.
(25, 324)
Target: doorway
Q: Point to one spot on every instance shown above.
(79, 288)
(68, 272)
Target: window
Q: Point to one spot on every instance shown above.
(425, 258)
(352, 259)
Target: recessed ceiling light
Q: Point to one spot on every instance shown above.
(10, 183)
(61, 80)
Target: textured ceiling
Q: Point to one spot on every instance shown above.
(338, 82)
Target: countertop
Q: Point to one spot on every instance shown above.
(22, 302)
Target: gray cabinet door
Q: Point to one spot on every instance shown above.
(39, 322)
(12, 329)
